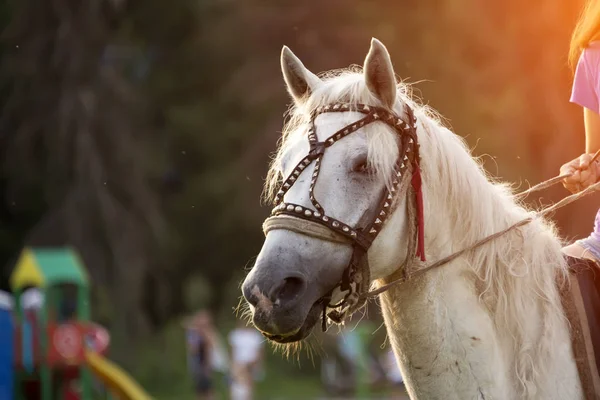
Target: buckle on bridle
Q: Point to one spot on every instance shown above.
(316, 149)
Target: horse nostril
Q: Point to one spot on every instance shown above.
(290, 289)
(250, 298)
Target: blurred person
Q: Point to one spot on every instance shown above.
(201, 341)
(31, 303)
(392, 369)
(32, 298)
(246, 360)
(338, 370)
(584, 57)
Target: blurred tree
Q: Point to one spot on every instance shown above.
(78, 134)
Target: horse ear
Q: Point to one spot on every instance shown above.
(379, 73)
(299, 80)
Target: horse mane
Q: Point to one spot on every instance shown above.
(516, 274)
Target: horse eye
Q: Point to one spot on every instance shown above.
(361, 166)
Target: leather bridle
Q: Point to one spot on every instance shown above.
(304, 220)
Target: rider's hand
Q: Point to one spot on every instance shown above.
(584, 173)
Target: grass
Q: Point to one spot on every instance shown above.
(162, 370)
(283, 380)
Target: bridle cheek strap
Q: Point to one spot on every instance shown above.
(355, 281)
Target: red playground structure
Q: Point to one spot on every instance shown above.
(56, 347)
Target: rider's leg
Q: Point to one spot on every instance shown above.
(589, 247)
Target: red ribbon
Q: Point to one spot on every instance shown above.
(417, 186)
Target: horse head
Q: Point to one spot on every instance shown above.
(348, 156)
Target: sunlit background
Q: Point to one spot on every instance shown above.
(140, 133)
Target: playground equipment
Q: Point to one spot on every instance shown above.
(6, 352)
(115, 378)
(56, 347)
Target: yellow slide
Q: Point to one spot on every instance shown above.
(115, 378)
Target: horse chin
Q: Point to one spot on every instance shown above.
(302, 333)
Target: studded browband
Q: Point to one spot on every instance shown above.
(356, 275)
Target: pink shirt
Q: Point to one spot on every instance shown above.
(586, 85)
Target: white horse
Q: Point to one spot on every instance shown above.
(489, 324)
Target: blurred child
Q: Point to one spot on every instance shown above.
(246, 360)
(201, 340)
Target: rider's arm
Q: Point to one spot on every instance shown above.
(591, 121)
(585, 93)
(582, 174)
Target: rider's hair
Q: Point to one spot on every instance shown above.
(586, 31)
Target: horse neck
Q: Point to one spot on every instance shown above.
(457, 329)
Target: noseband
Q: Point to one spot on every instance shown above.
(316, 223)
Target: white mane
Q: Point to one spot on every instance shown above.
(517, 272)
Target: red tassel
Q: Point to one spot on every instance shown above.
(416, 184)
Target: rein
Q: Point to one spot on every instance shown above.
(550, 182)
(540, 186)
